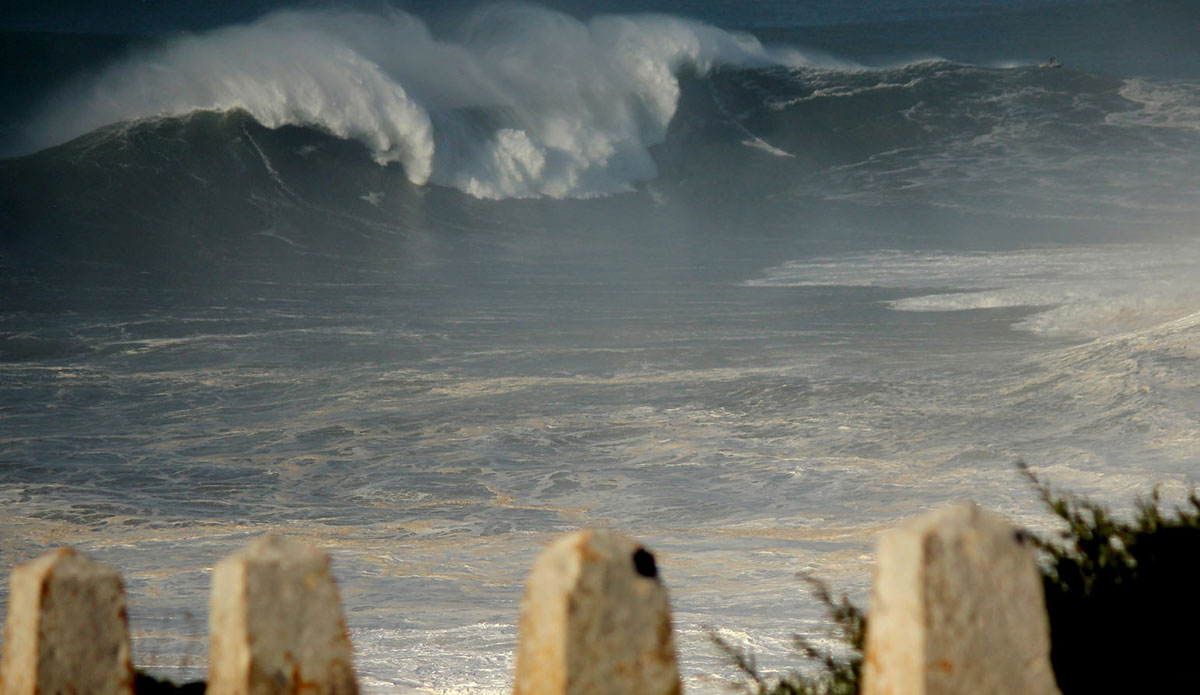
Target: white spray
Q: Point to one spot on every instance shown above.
(520, 102)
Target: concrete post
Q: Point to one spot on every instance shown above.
(276, 624)
(66, 631)
(595, 620)
(956, 609)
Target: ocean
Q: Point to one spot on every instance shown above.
(428, 284)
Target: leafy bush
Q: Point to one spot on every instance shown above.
(1121, 596)
(835, 675)
(145, 684)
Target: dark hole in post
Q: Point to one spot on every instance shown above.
(1020, 536)
(643, 562)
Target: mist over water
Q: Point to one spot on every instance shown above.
(429, 288)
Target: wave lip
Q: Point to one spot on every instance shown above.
(517, 102)
(283, 70)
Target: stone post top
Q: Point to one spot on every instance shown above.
(595, 620)
(960, 522)
(605, 538)
(963, 514)
(274, 547)
(591, 545)
(66, 630)
(275, 623)
(65, 558)
(595, 537)
(957, 607)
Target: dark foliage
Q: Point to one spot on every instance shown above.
(1121, 590)
(835, 675)
(145, 684)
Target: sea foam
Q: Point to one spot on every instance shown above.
(1090, 292)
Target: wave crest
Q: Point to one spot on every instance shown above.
(516, 102)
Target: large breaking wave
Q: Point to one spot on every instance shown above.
(516, 102)
(512, 101)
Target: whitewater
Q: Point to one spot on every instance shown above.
(430, 284)
(522, 102)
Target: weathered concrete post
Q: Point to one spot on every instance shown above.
(66, 632)
(276, 624)
(595, 620)
(957, 609)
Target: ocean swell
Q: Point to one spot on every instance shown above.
(516, 102)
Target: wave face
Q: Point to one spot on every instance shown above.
(518, 102)
(312, 132)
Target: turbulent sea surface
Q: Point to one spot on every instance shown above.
(428, 285)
